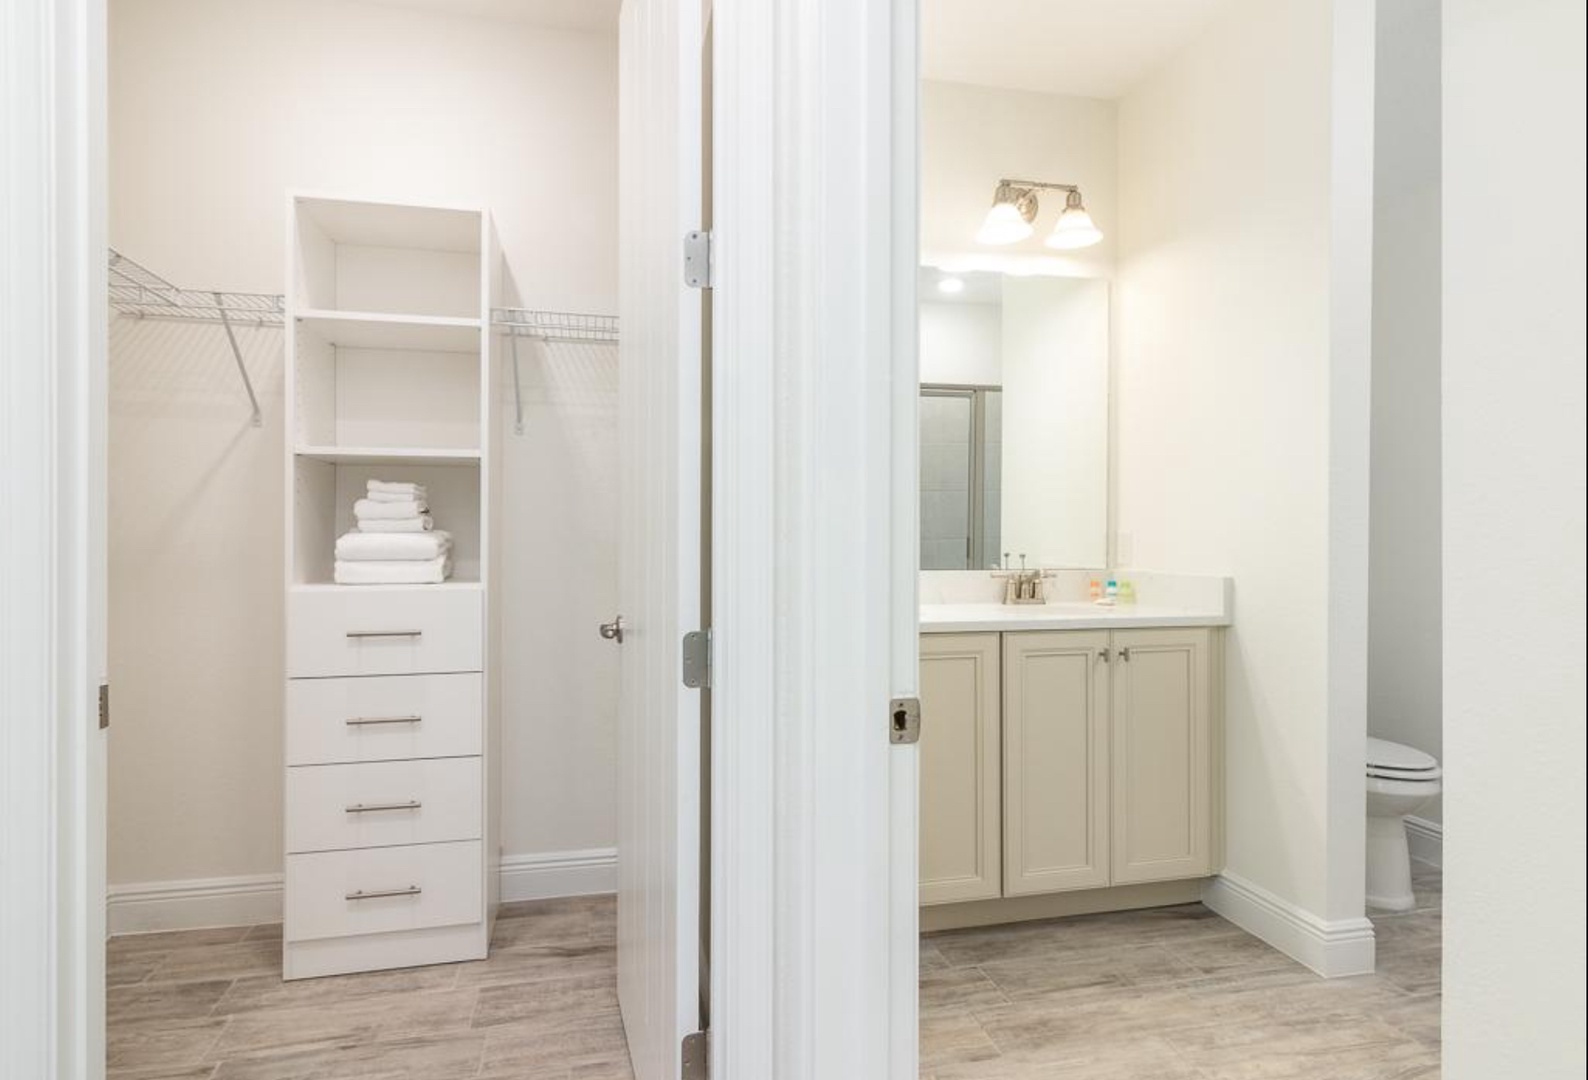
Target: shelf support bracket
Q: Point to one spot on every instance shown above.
(518, 389)
(237, 354)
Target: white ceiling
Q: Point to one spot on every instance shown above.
(1089, 48)
(594, 15)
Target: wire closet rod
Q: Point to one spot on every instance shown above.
(138, 292)
(548, 326)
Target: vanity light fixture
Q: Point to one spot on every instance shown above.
(1075, 228)
(1014, 210)
(951, 285)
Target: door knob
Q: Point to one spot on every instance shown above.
(613, 631)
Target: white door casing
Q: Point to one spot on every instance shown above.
(659, 591)
(52, 544)
(814, 860)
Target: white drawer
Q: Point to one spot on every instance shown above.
(340, 893)
(382, 804)
(383, 718)
(382, 630)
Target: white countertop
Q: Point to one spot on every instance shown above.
(1062, 615)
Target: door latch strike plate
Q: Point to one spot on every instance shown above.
(104, 705)
(696, 659)
(697, 260)
(904, 721)
(696, 1056)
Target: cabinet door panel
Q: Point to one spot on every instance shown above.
(1055, 762)
(1162, 778)
(960, 833)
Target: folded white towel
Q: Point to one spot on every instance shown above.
(418, 572)
(392, 496)
(422, 523)
(395, 487)
(392, 547)
(369, 510)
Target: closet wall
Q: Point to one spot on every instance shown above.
(217, 107)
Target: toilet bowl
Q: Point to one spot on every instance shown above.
(1400, 781)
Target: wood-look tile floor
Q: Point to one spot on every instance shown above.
(1176, 994)
(1172, 994)
(210, 1005)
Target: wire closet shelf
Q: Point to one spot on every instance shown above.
(556, 325)
(140, 293)
(136, 291)
(548, 327)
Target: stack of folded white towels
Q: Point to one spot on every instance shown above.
(395, 542)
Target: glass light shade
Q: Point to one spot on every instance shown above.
(1074, 229)
(1005, 224)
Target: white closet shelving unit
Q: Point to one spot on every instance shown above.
(392, 771)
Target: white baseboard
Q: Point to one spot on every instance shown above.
(559, 873)
(1331, 948)
(193, 904)
(1426, 840)
(247, 901)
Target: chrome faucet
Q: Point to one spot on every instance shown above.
(1023, 586)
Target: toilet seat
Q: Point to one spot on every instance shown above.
(1395, 761)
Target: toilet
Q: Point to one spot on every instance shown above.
(1400, 781)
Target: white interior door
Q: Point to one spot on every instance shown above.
(660, 423)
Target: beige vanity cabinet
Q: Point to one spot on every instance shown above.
(1066, 760)
(1162, 756)
(961, 846)
(1055, 757)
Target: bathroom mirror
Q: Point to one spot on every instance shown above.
(1014, 420)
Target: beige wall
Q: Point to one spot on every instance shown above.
(974, 135)
(1514, 521)
(218, 106)
(1228, 416)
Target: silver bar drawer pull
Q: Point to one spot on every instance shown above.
(357, 635)
(382, 894)
(367, 721)
(377, 807)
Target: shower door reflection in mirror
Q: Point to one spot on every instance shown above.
(960, 476)
(1014, 420)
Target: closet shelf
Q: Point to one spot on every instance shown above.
(548, 326)
(372, 330)
(136, 291)
(556, 325)
(382, 455)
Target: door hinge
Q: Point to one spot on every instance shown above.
(904, 721)
(696, 1056)
(698, 262)
(696, 659)
(104, 705)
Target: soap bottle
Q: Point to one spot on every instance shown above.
(1094, 590)
(1111, 592)
(1127, 592)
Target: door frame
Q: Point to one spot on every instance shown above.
(814, 544)
(52, 559)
